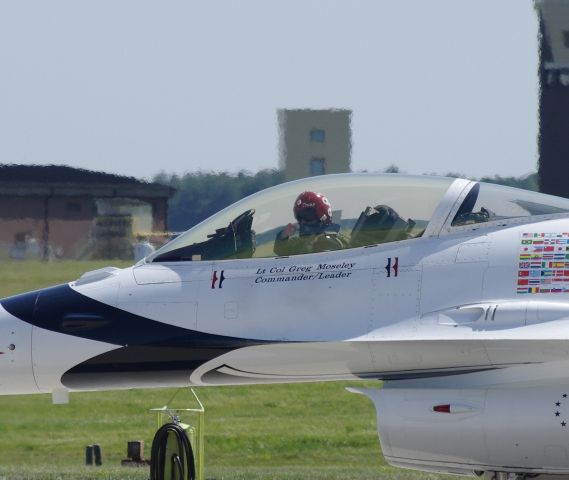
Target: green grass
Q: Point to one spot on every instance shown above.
(18, 277)
(265, 426)
(233, 473)
(283, 432)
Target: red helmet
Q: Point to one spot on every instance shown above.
(311, 206)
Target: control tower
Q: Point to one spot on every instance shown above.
(314, 142)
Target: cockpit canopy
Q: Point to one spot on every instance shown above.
(366, 210)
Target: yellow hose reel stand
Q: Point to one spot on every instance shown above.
(178, 448)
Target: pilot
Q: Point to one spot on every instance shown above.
(314, 231)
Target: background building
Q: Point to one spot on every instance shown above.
(314, 142)
(554, 96)
(74, 213)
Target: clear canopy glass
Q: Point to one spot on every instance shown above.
(489, 202)
(366, 209)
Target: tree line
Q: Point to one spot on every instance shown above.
(201, 194)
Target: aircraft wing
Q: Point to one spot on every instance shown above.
(435, 352)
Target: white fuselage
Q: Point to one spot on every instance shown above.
(451, 291)
(402, 310)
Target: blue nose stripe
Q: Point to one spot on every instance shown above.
(64, 310)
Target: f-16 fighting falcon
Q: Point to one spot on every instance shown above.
(453, 292)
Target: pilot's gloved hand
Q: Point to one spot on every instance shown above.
(288, 231)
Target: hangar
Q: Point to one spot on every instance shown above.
(65, 212)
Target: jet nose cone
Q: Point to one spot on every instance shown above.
(21, 306)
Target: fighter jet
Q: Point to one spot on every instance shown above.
(453, 292)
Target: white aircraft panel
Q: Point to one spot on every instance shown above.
(48, 362)
(15, 357)
(309, 297)
(172, 303)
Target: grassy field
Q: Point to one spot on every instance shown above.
(282, 432)
(18, 277)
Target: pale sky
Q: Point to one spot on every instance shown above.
(135, 86)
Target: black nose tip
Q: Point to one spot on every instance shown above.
(21, 306)
(62, 309)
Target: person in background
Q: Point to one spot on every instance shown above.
(142, 248)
